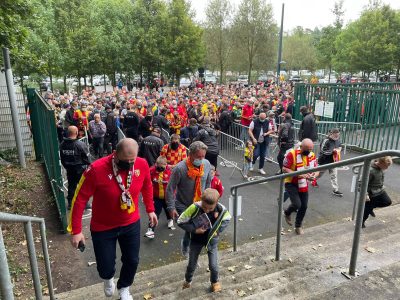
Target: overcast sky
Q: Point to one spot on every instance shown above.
(305, 13)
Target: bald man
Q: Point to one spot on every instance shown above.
(74, 156)
(115, 182)
(297, 186)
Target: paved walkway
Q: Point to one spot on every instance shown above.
(259, 215)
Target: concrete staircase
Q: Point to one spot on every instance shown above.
(310, 268)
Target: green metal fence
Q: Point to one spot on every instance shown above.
(373, 107)
(46, 147)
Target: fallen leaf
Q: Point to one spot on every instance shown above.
(149, 283)
(241, 293)
(165, 242)
(233, 278)
(147, 296)
(289, 230)
(208, 269)
(319, 245)
(370, 249)
(290, 260)
(240, 219)
(231, 269)
(252, 238)
(171, 234)
(250, 288)
(247, 267)
(91, 263)
(314, 248)
(23, 243)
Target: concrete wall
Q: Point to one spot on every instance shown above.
(7, 139)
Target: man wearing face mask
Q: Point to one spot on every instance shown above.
(330, 152)
(260, 131)
(308, 127)
(151, 147)
(115, 183)
(145, 126)
(174, 152)
(188, 180)
(297, 186)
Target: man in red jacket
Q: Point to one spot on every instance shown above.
(115, 183)
(247, 117)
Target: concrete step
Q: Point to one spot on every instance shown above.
(310, 265)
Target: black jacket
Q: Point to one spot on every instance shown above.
(150, 149)
(326, 151)
(209, 137)
(308, 128)
(286, 134)
(111, 123)
(188, 133)
(144, 128)
(74, 154)
(225, 120)
(69, 117)
(161, 122)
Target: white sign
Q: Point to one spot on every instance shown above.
(239, 205)
(319, 108)
(353, 184)
(328, 110)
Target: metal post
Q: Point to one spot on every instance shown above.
(33, 260)
(360, 214)
(278, 71)
(6, 287)
(46, 260)
(235, 204)
(279, 225)
(13, 107)
(356, 193)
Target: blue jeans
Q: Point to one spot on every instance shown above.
(246, 167)
(261, 151)
(185, 242)
(212, 252)
(104, 245)
(244, 134)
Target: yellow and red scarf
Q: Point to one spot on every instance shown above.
(196, 174)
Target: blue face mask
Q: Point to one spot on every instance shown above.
(197, 162)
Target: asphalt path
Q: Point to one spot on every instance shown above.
(258, 219)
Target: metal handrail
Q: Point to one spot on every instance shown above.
(6, 287)
(365, 159)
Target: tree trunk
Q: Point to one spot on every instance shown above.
(329, 76)
(21, 79)
(51, 81)
(84, 81)
(250, 68)
(91, 80)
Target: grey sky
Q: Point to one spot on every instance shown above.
(305, 13)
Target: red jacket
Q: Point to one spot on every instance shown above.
(217, 184)
(160, 184)
(99, 181)
(247, 112)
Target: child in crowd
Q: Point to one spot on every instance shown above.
(216, 183)
(248, 157)
(204, 220)
(160, 174)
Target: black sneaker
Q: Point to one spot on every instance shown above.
(363, 225)
(372, 214)
(337, 193)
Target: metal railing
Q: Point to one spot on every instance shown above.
(365, 159)
(6, 287)
(231, 151)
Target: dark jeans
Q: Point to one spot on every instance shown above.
(110, 142)
(73, 177)
(104, 245)
(261, 151)
(281, 155)
(212, 158)
(381, 200)
(299, 203)
(159, 205)
(212, 252)
(98, 144)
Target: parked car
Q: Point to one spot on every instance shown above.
(243, 79)
(262, 79)
(295, 78)
(333, 79)
(210, 79)
(184, 82)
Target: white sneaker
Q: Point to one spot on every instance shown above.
(171, 224)
(124, 294)
(109, 287)
(252, 167)
(149, 234)
(262, 171)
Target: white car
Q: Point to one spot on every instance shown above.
(333, 79)
(243, 79)
(184, 82)
(211, 79)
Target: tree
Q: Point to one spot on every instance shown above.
(299, 51)
(255, 31)
(185, 51)
(217, 35)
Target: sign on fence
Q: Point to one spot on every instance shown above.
(324, 109)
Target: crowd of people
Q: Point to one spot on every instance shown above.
(170, 157)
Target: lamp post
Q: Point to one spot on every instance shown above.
(280, 45)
